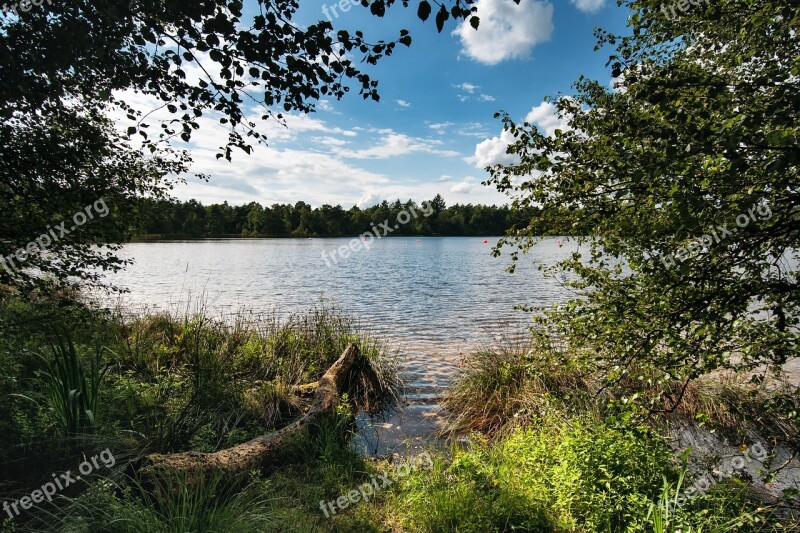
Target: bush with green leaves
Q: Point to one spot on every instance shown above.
(681, 182)
(569, 473)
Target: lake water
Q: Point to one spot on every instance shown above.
(432, 298)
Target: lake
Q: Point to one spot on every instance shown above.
(432, 298)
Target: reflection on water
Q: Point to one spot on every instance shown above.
(431, 298)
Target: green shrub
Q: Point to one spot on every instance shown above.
(575, 473)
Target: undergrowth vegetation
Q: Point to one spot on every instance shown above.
(78, 380)
(536, 443)
(552, 450)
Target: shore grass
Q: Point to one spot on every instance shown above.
(78, 380)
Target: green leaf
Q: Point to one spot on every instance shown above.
(424, 10)
(441, 18)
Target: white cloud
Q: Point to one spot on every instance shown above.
(468, 87)
(403, 103)
(589, 6)
(493, 151)
(441, 127)
(545, 115)
(618, 84)
(487, 98)
(330, 141)
(473, 129)
(368, 199)
(398, 144)
(325, 105)
(444, 178)
(507, 30)
(463, 187)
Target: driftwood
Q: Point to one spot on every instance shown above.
(262, 451)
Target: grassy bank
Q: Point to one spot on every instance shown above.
(534, 447)
(78, 381)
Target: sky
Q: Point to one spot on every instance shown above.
(433, 131)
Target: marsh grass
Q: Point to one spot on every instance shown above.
(167, 382)
(174, 506)
(233, 379)
(73, 390)
(506, 384)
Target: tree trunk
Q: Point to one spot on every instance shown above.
(262, 451)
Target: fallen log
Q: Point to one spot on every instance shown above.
(262, 451)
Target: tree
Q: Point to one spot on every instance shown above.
(438, 204)
(687, 174)
(68, 181)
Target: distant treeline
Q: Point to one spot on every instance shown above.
(173, 218)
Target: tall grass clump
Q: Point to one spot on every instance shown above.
(503, 385)
(73, 390)
(173, 506)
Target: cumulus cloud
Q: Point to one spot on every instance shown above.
(403, 103)
(545, 116)
(507, 30)
(494, 151)
(487, 98)
(589, 6)
(444, 178)
(398, 144)
(368, 199)
(463, 187)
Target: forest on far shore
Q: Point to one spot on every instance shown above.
(175, 218)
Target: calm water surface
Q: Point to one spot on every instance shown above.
(433, 299)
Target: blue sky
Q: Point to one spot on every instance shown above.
(433, 130)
